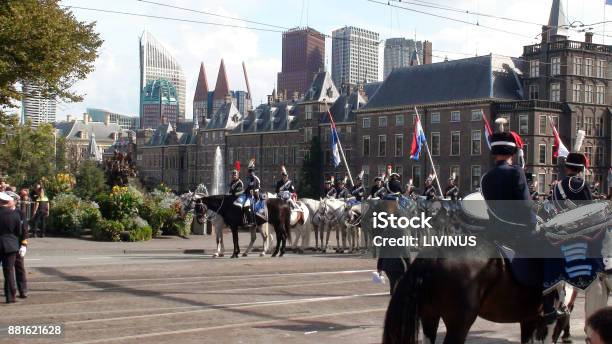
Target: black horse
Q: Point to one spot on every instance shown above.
(279, 215)
(457, 285)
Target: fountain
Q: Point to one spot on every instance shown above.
(218, 182)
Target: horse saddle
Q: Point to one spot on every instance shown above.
(242, 201)
(526, 271)
(297, 214)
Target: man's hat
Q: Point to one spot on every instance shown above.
(251, 166)
(283, 170)
(394, 174)
(576, 161)
(4, 197)
(330, 180)
(503, 144)
(236, 169)
(378, 179)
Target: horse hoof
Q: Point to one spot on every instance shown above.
(235, 255)
(244, 255)
(282, 254)
(262, 254)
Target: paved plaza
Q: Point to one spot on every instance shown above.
(172, 291)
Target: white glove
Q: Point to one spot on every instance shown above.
(22, 251)
(607, 263)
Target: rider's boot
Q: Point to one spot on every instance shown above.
(551, 313)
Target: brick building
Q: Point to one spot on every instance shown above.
(303, 57)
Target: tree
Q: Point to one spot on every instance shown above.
(44, 44)
(90, 181)
(311, 176)
(28, 154)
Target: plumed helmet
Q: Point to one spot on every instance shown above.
(503, 144)
(251, 166)
(576, 161)
(283, 171)
(360, 176)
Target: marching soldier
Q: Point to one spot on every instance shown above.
(452, 191)
(330, 192)
(252, 181)
(429, 191)
(377, 190)
(358, 190)
(341, 190)
(393, 186)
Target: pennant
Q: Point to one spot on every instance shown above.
(487, 131)
(418, 139)
(334, 145)
(559, 149)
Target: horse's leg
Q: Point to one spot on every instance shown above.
(285, 234)
(235, 240)
(264, 238)
(430, 329)
(253, 237)
(219, 238)
(328, 229)
(527, 331)
(458, 325)
(278, 240)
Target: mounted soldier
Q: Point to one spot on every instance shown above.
(285, 189)
(573, 187)
(429, 191)
(378, 189)
(411, 190)
(236, 189)
(341, 191)
(330, 191)
(393, 186)
(253, 183)
(452, 190)
(358, 190)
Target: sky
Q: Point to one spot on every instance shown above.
(114, 83)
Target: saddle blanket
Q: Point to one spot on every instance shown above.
(243, 201)
(352, 202)
(575, 266)
(402, 201)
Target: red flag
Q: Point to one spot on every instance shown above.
(487, 130)
(559, 148)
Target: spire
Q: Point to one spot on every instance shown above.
(558, 21)
(222, 86)
(414, 58)
(201, 92)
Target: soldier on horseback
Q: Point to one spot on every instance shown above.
(252, 190)
(429, 191)
(393, 186)
(341, 190)
(330, 191)
(411, 190)
(236, 189)
(452, 190)
(285, 189)
(378, 189)
(358, 190)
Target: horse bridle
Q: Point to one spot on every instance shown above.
(215, 213)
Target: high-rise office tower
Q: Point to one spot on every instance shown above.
(35, 107)
(303, 57)
(354, 56)
(156, 62)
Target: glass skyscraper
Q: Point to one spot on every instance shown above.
(156, 62)
(35, 107)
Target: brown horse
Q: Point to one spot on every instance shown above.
(457, 286)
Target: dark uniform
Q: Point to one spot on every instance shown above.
(393, 187)
(377, 191)
(429, 192)
(282, 185)
(534, 194)
(330, 192)
(570, 189)
(253, 184)
(342, 192)
(452, 191)
(358, 191)
(236, 188)
(11, 235)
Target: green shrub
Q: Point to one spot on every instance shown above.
(140, 234)
(69, 215)
(107, 230)
(90, 214)
(121, 203)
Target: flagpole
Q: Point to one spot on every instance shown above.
(429, 155)
(331, 121)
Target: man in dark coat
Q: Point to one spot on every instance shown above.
(377, 190)
(11, 236)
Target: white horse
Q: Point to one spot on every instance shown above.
(353, 215)
(303, 231)
(334, 217)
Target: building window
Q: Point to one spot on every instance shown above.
(588, 151)
(435, 144)
(382, 145)
(455, 142)
(399, 145)
(541, 183)
(399, 169)
(365, 123)
(399, 120)
(600, 94)
(476, 115)
(307, 134)
(588, 93)
(577, 65)
(599, 126)
(542, 154)
(455, 116)
(577, 92)
(534, 91)
(555, 92)
(523, 124)
(382, 122)
(366, 146)
(476, 175)
(601, 69)
(366, 173)
(416, 175)
(588, 126)
(525, 152)
(476, 139)
(543, 124)
(555, 66)
(588, 67)
(308, 112)
(534, 68)
(435, 117)
(599, 156)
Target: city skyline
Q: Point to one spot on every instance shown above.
(192, 43)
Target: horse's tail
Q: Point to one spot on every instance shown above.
(402, 320)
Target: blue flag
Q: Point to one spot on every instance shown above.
(334, 146)
(608, 2)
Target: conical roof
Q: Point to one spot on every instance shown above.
(93, 153)
(558, 20)
(201, 92)
(222, 86)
